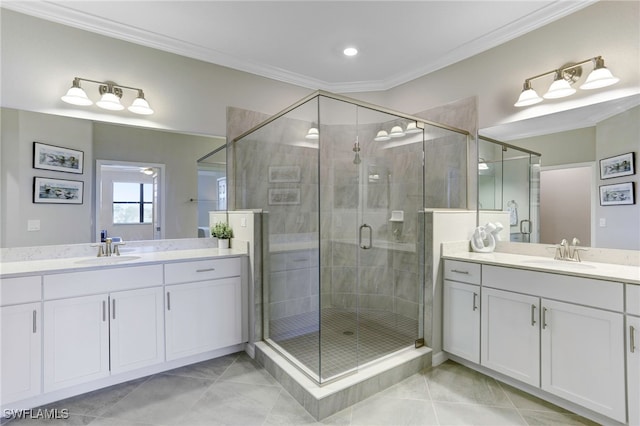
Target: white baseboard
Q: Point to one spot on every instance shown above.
(438, 358)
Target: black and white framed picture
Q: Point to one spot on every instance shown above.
(57, 158)
(284, 196)
(280, 174)
(57, 191)
(620, 165)
(617, 195)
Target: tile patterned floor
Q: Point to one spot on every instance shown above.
(348, 339)
(234, 390)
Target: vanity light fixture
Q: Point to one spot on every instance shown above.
(110, 93)
(564, 78)
(482, 164)
(397, 132)
(412, 127)
(382, 136)
(313, 134)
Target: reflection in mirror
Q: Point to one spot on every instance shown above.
(571, 143)
(508, 181)
(28, 224)
(212, 187)
(129, 200)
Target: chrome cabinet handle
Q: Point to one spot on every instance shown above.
(544, 318)
(364, 246)
(113, 305)
(206, 270)
(475, 297)
(168, 301)
(460, 272)
(632, 338)
(104, 311)
(533, 315)
(35, 327)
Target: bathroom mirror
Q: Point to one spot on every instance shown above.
(185, 159)
(570, 144)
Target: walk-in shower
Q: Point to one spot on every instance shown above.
(343, 187)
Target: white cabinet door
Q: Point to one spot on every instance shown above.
(511, 334)
(21, 356)
(583, 357)
(461, 320)
(633, 369)
(137, 329)
(76, 341)
(203, 316)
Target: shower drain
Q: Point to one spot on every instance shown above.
(348, 333)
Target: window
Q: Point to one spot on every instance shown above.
(132, 202)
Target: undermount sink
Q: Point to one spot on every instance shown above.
(106, 260)
(558, 263)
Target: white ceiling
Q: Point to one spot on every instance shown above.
(301, 42)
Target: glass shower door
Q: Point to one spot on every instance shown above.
(371, 256)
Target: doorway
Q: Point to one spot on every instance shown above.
(129, 202)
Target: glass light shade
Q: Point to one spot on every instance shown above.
(482, 165)
(110, 101)
(76, 96)
(528, 97)
(382, 136)
(599, 77)
(412, 128)
(560, 88)
(313, 134)
(396, 132)
(140, 106)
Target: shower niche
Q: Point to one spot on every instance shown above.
(342, 187)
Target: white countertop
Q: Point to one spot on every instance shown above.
(603, 271)
(73, 264)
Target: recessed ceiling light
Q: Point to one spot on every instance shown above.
(350, 51)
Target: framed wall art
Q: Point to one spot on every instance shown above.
(278, 174)
(57, 191)
(284, 196)
(57, 158)
(617, 195)
(620, 165)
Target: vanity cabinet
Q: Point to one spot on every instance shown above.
(511, 334)
(633, 353)
(21, 338)
(582, 356)
(206, 313)
(89, 337)
(562, 334)
(76, 341)
(461, 310)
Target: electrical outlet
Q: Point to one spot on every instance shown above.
(33, 225)
(243, 222)
(603, 222)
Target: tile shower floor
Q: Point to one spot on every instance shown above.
(234, 390)
(348, 338)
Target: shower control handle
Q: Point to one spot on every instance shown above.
(364, 246)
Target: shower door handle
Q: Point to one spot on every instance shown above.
(364, 246)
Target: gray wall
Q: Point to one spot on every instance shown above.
(71, 224)
(59, 223)
(615, 136)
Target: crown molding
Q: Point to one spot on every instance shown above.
(96, 24)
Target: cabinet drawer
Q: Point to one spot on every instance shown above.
(579, 290)
(201, 270)
(73, 284)
(465, 272)
(633, 299)
(20, 290)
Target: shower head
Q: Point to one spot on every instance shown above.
(356, 149)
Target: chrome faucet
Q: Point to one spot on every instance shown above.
(567, 252)
(110, 248)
